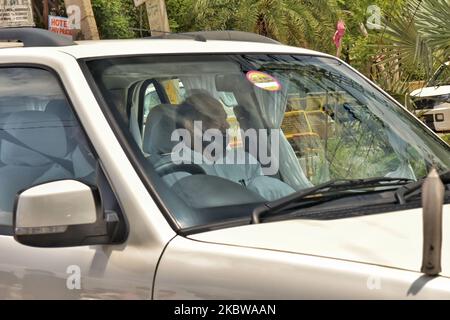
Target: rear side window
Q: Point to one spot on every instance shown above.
(40, 137)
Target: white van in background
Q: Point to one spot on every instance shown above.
(433, 101)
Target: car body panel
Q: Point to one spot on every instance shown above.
(104, 48)
(118, 271)
(441, 116)
(191, 269)
(430, 92)
(437, 116)
(106, 272)
(391, 239)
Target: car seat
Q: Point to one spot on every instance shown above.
(160, 124)
(33, 148)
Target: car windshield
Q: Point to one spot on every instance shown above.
(217, 135)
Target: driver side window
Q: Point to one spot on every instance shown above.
(41, 139)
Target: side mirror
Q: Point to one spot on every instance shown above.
(62, 214)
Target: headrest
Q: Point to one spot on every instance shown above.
(195, 91)
(134, 125)
(128, 97)
(199, 105)
(158, 129)
(41, 131)
(61, 108)
(136, 89)
(232, 83)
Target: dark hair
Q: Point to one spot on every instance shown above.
(185, 111)
(197, 106)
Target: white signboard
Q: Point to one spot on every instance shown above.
(16, 13)
(60, 25)
(137, 3)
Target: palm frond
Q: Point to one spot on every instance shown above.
(418, 36)
(433, 23)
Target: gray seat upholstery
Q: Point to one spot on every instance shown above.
(61, 108)
(63, 111)
(3, 117)
(82, 159)
(161, 123)
(138, 105)
(44, 134)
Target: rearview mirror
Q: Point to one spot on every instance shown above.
(62, 213)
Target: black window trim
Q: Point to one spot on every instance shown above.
(9, 230)
(441, 116)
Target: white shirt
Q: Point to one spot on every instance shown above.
(238, 166)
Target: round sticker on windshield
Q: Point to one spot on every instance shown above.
(263, 80)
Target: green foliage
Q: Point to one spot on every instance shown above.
(417, 36)
(304, 23)
(352, 158)
(432, 20)
(215, 15)
(446, 138)
(180, 14)
(361, 54)
(118, 19)
(297, 22)
(409, 47)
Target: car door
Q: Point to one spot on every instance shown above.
(39, 125)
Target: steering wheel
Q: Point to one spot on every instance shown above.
(170, 167)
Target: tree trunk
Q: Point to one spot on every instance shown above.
(45, 13)
(157, 17)
(88, 25)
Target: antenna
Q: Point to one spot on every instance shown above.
(432, 203)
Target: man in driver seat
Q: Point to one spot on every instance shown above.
(199, 114)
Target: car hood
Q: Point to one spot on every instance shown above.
(430, 91)
(389, 239)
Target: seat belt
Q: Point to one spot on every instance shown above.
(66, 164)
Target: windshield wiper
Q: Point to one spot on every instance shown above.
(341, 184)
(404, 191)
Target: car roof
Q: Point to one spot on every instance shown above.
(105, 48)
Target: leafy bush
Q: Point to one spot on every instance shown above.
(118, 19)
(446, 138)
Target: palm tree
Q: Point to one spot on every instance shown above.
(306, 23)
(419, 35)
(433, 22)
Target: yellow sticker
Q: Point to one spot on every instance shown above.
(263, 81)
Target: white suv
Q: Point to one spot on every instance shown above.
(185, 167)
